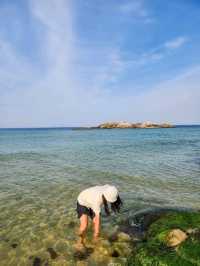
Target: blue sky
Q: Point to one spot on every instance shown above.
(75, 63)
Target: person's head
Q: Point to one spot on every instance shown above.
(111, 195)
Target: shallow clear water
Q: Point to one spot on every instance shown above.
(43, 170)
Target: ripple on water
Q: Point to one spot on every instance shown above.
(42, 173)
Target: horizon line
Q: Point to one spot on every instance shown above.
(69, 127)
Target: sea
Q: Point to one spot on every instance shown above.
(42, 171)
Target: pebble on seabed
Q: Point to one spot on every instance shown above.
(83, 254)
(115, 254)
(52, 253)
(14, 245)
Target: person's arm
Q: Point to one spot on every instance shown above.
(96, 224)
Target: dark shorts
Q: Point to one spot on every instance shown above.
(80, 209)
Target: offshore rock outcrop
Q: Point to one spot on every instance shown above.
(109, 125)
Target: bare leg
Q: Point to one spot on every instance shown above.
(83, 227)
(96, 227)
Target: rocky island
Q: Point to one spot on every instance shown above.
(110, 125)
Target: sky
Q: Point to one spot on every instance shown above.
(81, 63)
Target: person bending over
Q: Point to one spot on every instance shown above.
(89, 204)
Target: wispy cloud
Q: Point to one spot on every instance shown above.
(176, 43)
(118, 63)
(167, 101)
(136, 9)
(41, 93)
(160, 52)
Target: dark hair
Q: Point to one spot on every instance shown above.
(105, 203)
(115, 206)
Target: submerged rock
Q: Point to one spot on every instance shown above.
(14, 245)
(61, 246)
(71, 224)
(42, 225)
(52, 253)
(37, 262)
(123, 237)
(115, 254)
(83, 254)
(113, 237)
(193, 231)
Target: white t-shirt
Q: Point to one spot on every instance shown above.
(92, 198)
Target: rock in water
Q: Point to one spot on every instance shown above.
(125, 124)
(83, 254)
(52, 253)
(71, 224)
(193, 231)
(115, 254)
(14, 245)
(37, 262)
(175, 237)
(123, 237)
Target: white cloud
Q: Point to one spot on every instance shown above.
(176, 43)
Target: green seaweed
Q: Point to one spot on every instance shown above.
(183, 221)
(155, 252)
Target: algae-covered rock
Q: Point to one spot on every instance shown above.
(52, 253)
(123, 237)
(37, 261)
(193, 231)
(155, 250)
(61, 245)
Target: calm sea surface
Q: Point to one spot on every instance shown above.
(43, 170)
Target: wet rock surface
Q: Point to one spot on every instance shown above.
(71, 224)
(83, 254)
(115, 254)
(170, 240)
(37, 262)
(14, 245)
(52, 253)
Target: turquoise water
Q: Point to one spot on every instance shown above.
(43, 170)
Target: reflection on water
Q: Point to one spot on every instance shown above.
(42, 172)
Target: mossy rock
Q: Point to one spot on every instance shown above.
(173, 220)
(155, 252)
